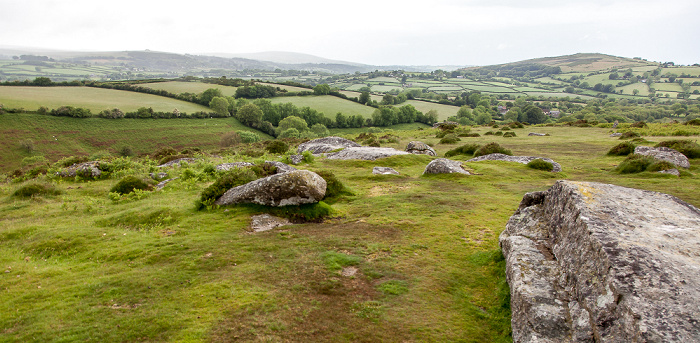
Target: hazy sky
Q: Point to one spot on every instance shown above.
(434, 32)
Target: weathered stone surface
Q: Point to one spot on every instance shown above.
(281, 167)
(673, 171)
(292, 188)
(177, 162)
(384, 171)
(326, 144)
(616, 134)
(591, 262)
(536, 134)
(162, 184)
(158, 176)
(664, 154)
(229, 166)
(296, 159)
(444, 166)
(85, 169)
(364, 153)
(519, 159)
(266, 222)
(418, 147)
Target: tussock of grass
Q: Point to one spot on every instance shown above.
(335, 261)
(128, 184)
(492, 148)
(540, 164)
(634, 164)
(622, 149)
(467, 149)
(36, 189)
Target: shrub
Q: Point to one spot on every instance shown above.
(540, 164)
(686, 147)
(125, 151)
(320, 130)
(629, 134)
(505, 128)
(491, 148)
(634, 164)
(695, 121)
(308, 157)
(467, 149)
(334, 188)
(35, 189)
(488, 133)
(639, 124)
(658, 166)
(509, 134)
(163, 152)
(516, 125)
(276, 147)
(249, 137)
(230, 179)
(290, 133)
(498, 133)
(622, 149)
(33, 160)
(230, 139)
(450, 139)
(128, 184)
(27, 145)
(302, 213)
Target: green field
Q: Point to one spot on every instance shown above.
(95, 99)
(177, 87)
(327, 104)
(667, 87)
(629, 89)
(288, 88)
(444, 111)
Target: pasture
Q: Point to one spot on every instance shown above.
(327, 104)
(177, 87)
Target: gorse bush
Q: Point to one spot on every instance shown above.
(467, 149)
(540, 164)
(622, 149)
(689, 148)
(35, 189)
(695, 122)
(128, 184)
(492, 148)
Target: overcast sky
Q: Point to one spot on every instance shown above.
(408, 32)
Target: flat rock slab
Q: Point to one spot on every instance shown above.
(229, 166)
(364, 153)
(177, 162)
(519, 159)
(384, 171)
(162, 184)
(85, 169)
(266, 222)
(664, 154)
(418, 147)
(292, 188)
(326, 144)
(444, 166)
(592, 262)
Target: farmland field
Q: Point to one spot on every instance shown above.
(288, 88)
(641, 87)
(667, 87)
(177, 87)
(444, 111)
(327, 104)
(94, 99)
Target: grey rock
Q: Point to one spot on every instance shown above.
(158, 176)
(296, 159)
(664, 154)
(673, 171)
(418, 147)
(384, 171)
(364, 153)
(326, 144)
(85, 169)
(281, 167)
(162, 184)
(519, 159)
(177, 162)
(229, 166)
(591, 262)
(266, 222)
(616, 134)
(444, 166)
(536, 134)
(292, 188)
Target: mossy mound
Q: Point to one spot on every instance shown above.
(492, 148)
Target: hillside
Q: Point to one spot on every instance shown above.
(580, 63)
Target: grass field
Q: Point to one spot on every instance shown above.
(327, 104)
(177, 87)
(629, 89)
(79, 266)
(95, 99)
(667, 87)
(444, 111)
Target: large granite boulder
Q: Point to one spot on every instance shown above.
(591, 262)
(664, 154)
(444, 166)
(519, 159)
(326, 144)
(86, 169)
(418, 147)
(364, 153)
(291, 188)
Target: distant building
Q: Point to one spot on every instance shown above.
(554, 113)
(502, 110)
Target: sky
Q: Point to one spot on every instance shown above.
(376, 32)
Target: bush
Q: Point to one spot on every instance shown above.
(334, 188)
(125, 151)
(27, 146)
(71, 160)
(302, 213)
(33, 160)
(230, 139)
(308, 157)
(634, 164)
(163, 152)
(516, 125)
(35, 189)
(629, 134)
(622, 149)
(658, 166)
(639, 124)
(276, 147)
(249, 137)
(492, 148)
(450, 139)
(509, 134)
(128, 184)
(488, 133)
(686, 147)
(540, 164)
(695, 121)
(467, 149)
(290, 133)
(230, 179)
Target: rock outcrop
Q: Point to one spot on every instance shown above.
(664, 154)
(519, 159)
(384, 171)
(418, 147)
(364, 153)
(177, 162)
(281, 167)
(85, 169)
(229, 166)
(444, 166)
(291, 188)
(591, 262)
(326, 144)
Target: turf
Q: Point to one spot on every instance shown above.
(328, 105)
(177, 87)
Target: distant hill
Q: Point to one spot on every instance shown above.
(581, 62)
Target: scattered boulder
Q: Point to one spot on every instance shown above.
(418, 147)
(364, 153)
(592, 262)
(384, 171)
(616, 134)
(296, 159)
(162, 184)
(326, 144)
(229, 166)
(176, 162)
(536, 134)
(281, 167)
(85, 169)
(664, 154)
(266, 222)
(291, 188)
(518, 159)
(444, 166)
(158, 176)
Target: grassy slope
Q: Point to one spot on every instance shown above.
(177, 87)
(95, 99)
(84, 268)
(57, 137)
(328, 104)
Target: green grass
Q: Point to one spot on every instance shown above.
(177, 87)
(95, 99)
(83, 267)
(327, 104)
(667, 87)
(444, 111)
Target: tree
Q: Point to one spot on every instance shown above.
(322, 89)
(340, 120)
(635, 91)
(364, 97)
(292, 122)
(219, 105)
(209, 94)
(388, 99)
(249, 115)
(320, 130)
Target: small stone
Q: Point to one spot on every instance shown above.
(349, 271)
(536, 134)
(384, 171)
